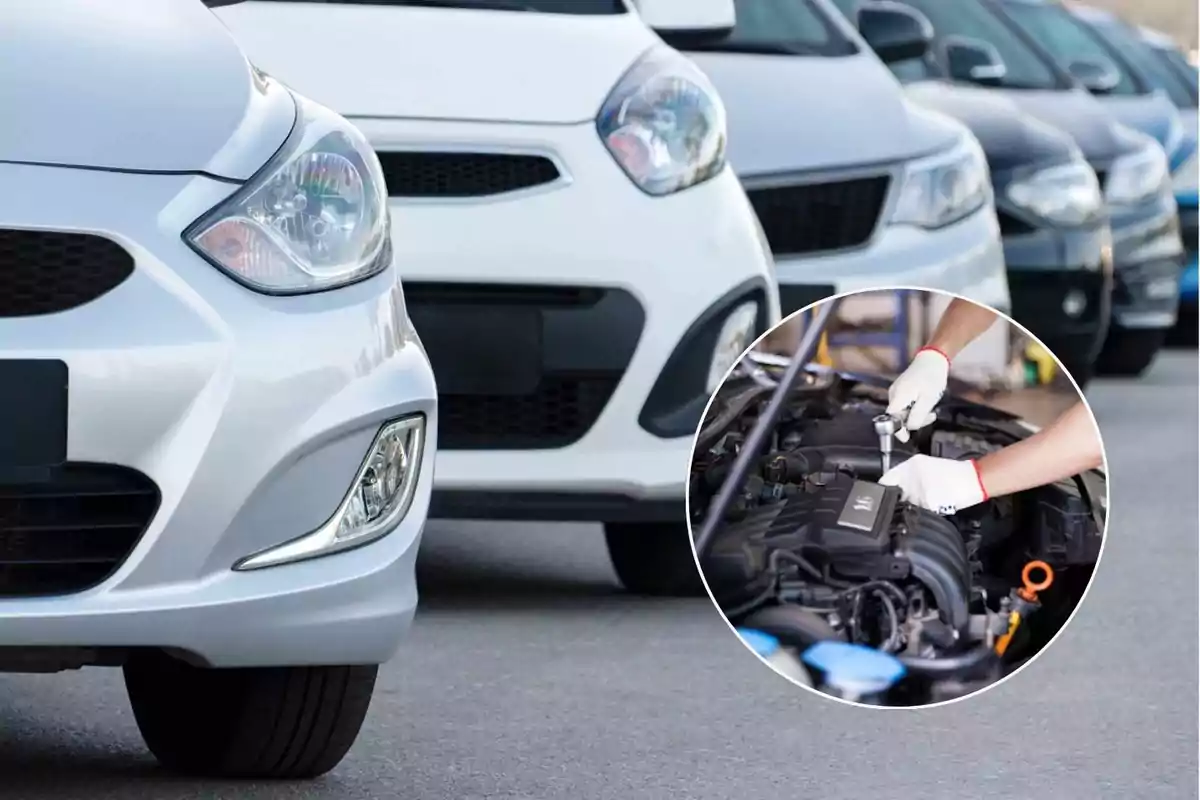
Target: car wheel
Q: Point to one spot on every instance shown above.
(1079, 368)
(267, 723)
(654, 559)
(1128, 352)
(1186, 332)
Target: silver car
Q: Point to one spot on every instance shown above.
(217, 426)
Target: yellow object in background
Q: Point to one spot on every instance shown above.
(823, 357)
(1043, 364)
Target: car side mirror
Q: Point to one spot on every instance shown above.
(1098, 77)
(974, 61)
(679, 22)
(895, 32)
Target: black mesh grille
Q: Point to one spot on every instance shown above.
(463, 174)
(70, 533)
(1012, 226)
(42, 272)
(558, 414)
(588, 337)
(821, 216)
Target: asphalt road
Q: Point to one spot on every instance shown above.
(529, 676)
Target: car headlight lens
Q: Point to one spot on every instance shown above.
(379, 497)
(1068, 194)
(1187, 176)
(664, 124)
(1138, 176)
(737, 333)
(314, 218)
(944, 188)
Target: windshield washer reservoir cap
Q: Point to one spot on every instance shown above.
(854, 668)
(761, 643)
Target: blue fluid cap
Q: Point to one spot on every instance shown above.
(762, 643)
(854, 668)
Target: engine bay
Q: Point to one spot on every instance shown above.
(814, 550)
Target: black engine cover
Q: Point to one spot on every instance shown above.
(860, 530)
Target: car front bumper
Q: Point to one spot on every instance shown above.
(1061, 283)
(1147, 258)
(966, 258)
(251, 416)
(1190, 231)
(594, 307)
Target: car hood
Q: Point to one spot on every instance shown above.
(1152, 114)
(1081, 116)
(1010, 138)
(141, 85)
(442, 63)
(799, 113)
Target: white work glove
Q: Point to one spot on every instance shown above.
(913, 395)
(941, 485)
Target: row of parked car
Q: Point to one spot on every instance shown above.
(248, 345)
(604, 221)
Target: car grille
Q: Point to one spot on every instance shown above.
(1011, 225)
(43, 272)
(558, 414)
(817, 217)
(427, 174)
(574, 382)
(72, 532)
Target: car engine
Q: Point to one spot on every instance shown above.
(814, 549)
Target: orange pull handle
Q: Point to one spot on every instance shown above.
(1037, 576)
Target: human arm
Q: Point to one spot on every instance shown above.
(1068, 446)
(913, 395)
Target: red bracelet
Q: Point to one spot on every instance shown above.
(937, 350)
(979, 477)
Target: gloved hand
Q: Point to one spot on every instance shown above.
(912, 396)
(941, 485)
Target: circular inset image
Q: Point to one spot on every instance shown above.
(897, 498)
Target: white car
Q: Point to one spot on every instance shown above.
(578, 259)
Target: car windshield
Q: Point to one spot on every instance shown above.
(1144, 58)
(1151, 60)
(971, 19)
(912, 69)
(584, 7)
(1068, 38)
(781, 27)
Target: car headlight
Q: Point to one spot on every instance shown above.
(314, 218)
(664, 124)
(379, 497)
(942, 189)
(1067, 194)
(1137, 176)
(1187, 176)
(736, 334)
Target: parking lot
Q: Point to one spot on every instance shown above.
(529, 676)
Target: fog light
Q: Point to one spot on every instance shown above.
(737, 333)
(1075, 303)
(379, 497)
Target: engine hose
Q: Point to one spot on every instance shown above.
(791, 625)
(861, 460)
(948, 666)
(734, 408)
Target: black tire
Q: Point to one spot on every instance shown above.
(1186, 331)
(1128, 352)
(271, 723)
(654, 559)
(1080, 369)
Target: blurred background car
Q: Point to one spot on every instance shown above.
(1055, 229)
(1100, 68)
(976, 43)
(578, 258)
(854, 186)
